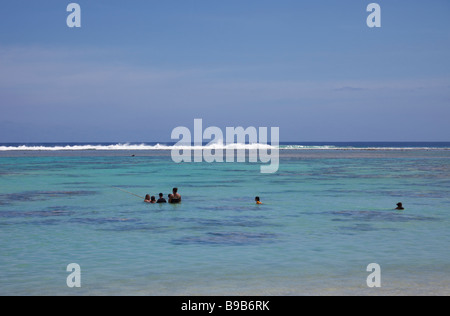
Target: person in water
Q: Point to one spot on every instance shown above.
(257, 200)
(161, 199)
(153, 200)
(400, 207)
(175, 197)
(147, 199)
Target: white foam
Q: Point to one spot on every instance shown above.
(216, 146)
(127, 146)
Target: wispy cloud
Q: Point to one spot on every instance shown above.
(69, 88)
(53, 76)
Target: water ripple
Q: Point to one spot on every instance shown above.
(228, 238)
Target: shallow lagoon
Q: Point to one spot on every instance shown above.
(327, 215)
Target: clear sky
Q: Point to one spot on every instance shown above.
(137, 69)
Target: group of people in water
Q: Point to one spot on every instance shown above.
(174, 198)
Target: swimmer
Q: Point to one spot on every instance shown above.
(147, 199)
(153, 200)
(257, 200)
(176, 197)
(400, 207)
(161, 199)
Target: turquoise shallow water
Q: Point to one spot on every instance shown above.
(327, 215)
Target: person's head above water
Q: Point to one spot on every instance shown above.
(257, 200)
(147, 197)
(176, 197)
(400, 206)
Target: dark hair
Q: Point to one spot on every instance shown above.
(147, 196)
(257, 198)
(175, 190)
(153, 198)
(161, 195)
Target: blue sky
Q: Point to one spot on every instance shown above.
(135, 70)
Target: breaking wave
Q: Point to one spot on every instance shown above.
(127, 147)
(216, 146)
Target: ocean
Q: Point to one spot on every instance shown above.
(327, 213)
